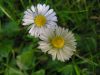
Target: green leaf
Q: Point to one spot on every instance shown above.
(10, 28)
(85, 71)
(55, 64)
(25, 60)
(5, 47)
(88, 44)
(67, 70)
(91, 43)
(13, 71)
(77, 70)
(40, 72)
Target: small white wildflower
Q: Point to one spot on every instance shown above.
(39, 17)
(60, 43)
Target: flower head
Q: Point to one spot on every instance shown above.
(39, 17)
(60, 43)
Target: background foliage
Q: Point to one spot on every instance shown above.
(18, 50)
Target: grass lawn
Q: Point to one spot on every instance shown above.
(19, 54)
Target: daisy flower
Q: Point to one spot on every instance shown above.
(60, 43)
(39, 17)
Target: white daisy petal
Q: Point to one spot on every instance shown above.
(46, 9)
(27, 23)
(49, 12)
(51, 24)
(29, 17)
(42, 17)
(32, 28)
(51, 15)
(61, 55)
(33, 8)
(33, 31)
(54, 55)
(53, 52)
(47, 34)
(61, 48)
(44, 5)
(58, 31)
(29, 11)
(44, 46)
(52, 18)
(44, 38)
(27, 20)
(65, 56)
(68, 56)
(40, 8)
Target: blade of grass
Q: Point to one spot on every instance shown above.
(7, 14)
(77, 70)
(30, 2)
(86, 60)
(22, 3)
(0, 25)
(46, 1)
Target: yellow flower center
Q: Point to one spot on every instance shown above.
(40, 20)
(57, 42)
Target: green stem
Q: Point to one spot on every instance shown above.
(3, 10)
(86, 60)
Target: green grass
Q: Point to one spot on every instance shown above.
(18, 50)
